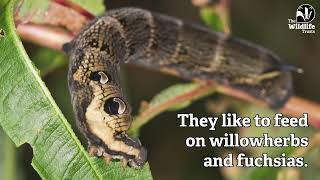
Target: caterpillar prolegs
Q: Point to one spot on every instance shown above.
(159, 42)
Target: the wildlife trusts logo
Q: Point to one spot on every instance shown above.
(304, 16)
(305, 13)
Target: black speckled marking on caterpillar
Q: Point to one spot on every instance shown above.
(162, 43)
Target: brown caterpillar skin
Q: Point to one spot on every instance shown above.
(132, 35)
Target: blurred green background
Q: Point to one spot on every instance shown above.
(262, 22)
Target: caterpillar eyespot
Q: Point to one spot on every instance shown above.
(100, 76)
(114, 106)
(167, 44)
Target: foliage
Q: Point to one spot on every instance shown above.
(28, 114)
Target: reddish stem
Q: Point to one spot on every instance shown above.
(295, 106)
(76, 7)
(47, 36)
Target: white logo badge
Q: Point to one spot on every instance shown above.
(304, 15)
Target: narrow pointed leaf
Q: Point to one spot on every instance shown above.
(28, 114)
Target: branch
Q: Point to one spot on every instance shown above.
(313, 143)
(54, 37)
(48, 36)
(295, 106)
(75, 7)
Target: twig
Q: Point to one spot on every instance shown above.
(48, 36)
(313, 143)
(54, 38)
(76, 7)
(295, 106)
(62, 16)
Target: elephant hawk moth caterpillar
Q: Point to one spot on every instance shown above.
(159, 42)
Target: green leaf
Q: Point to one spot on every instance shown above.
(47, 60)
(28, 114)
(8, 169)
(212, 19)
(96, 7)
(35, 10)
(171, 93)
(175, 97)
